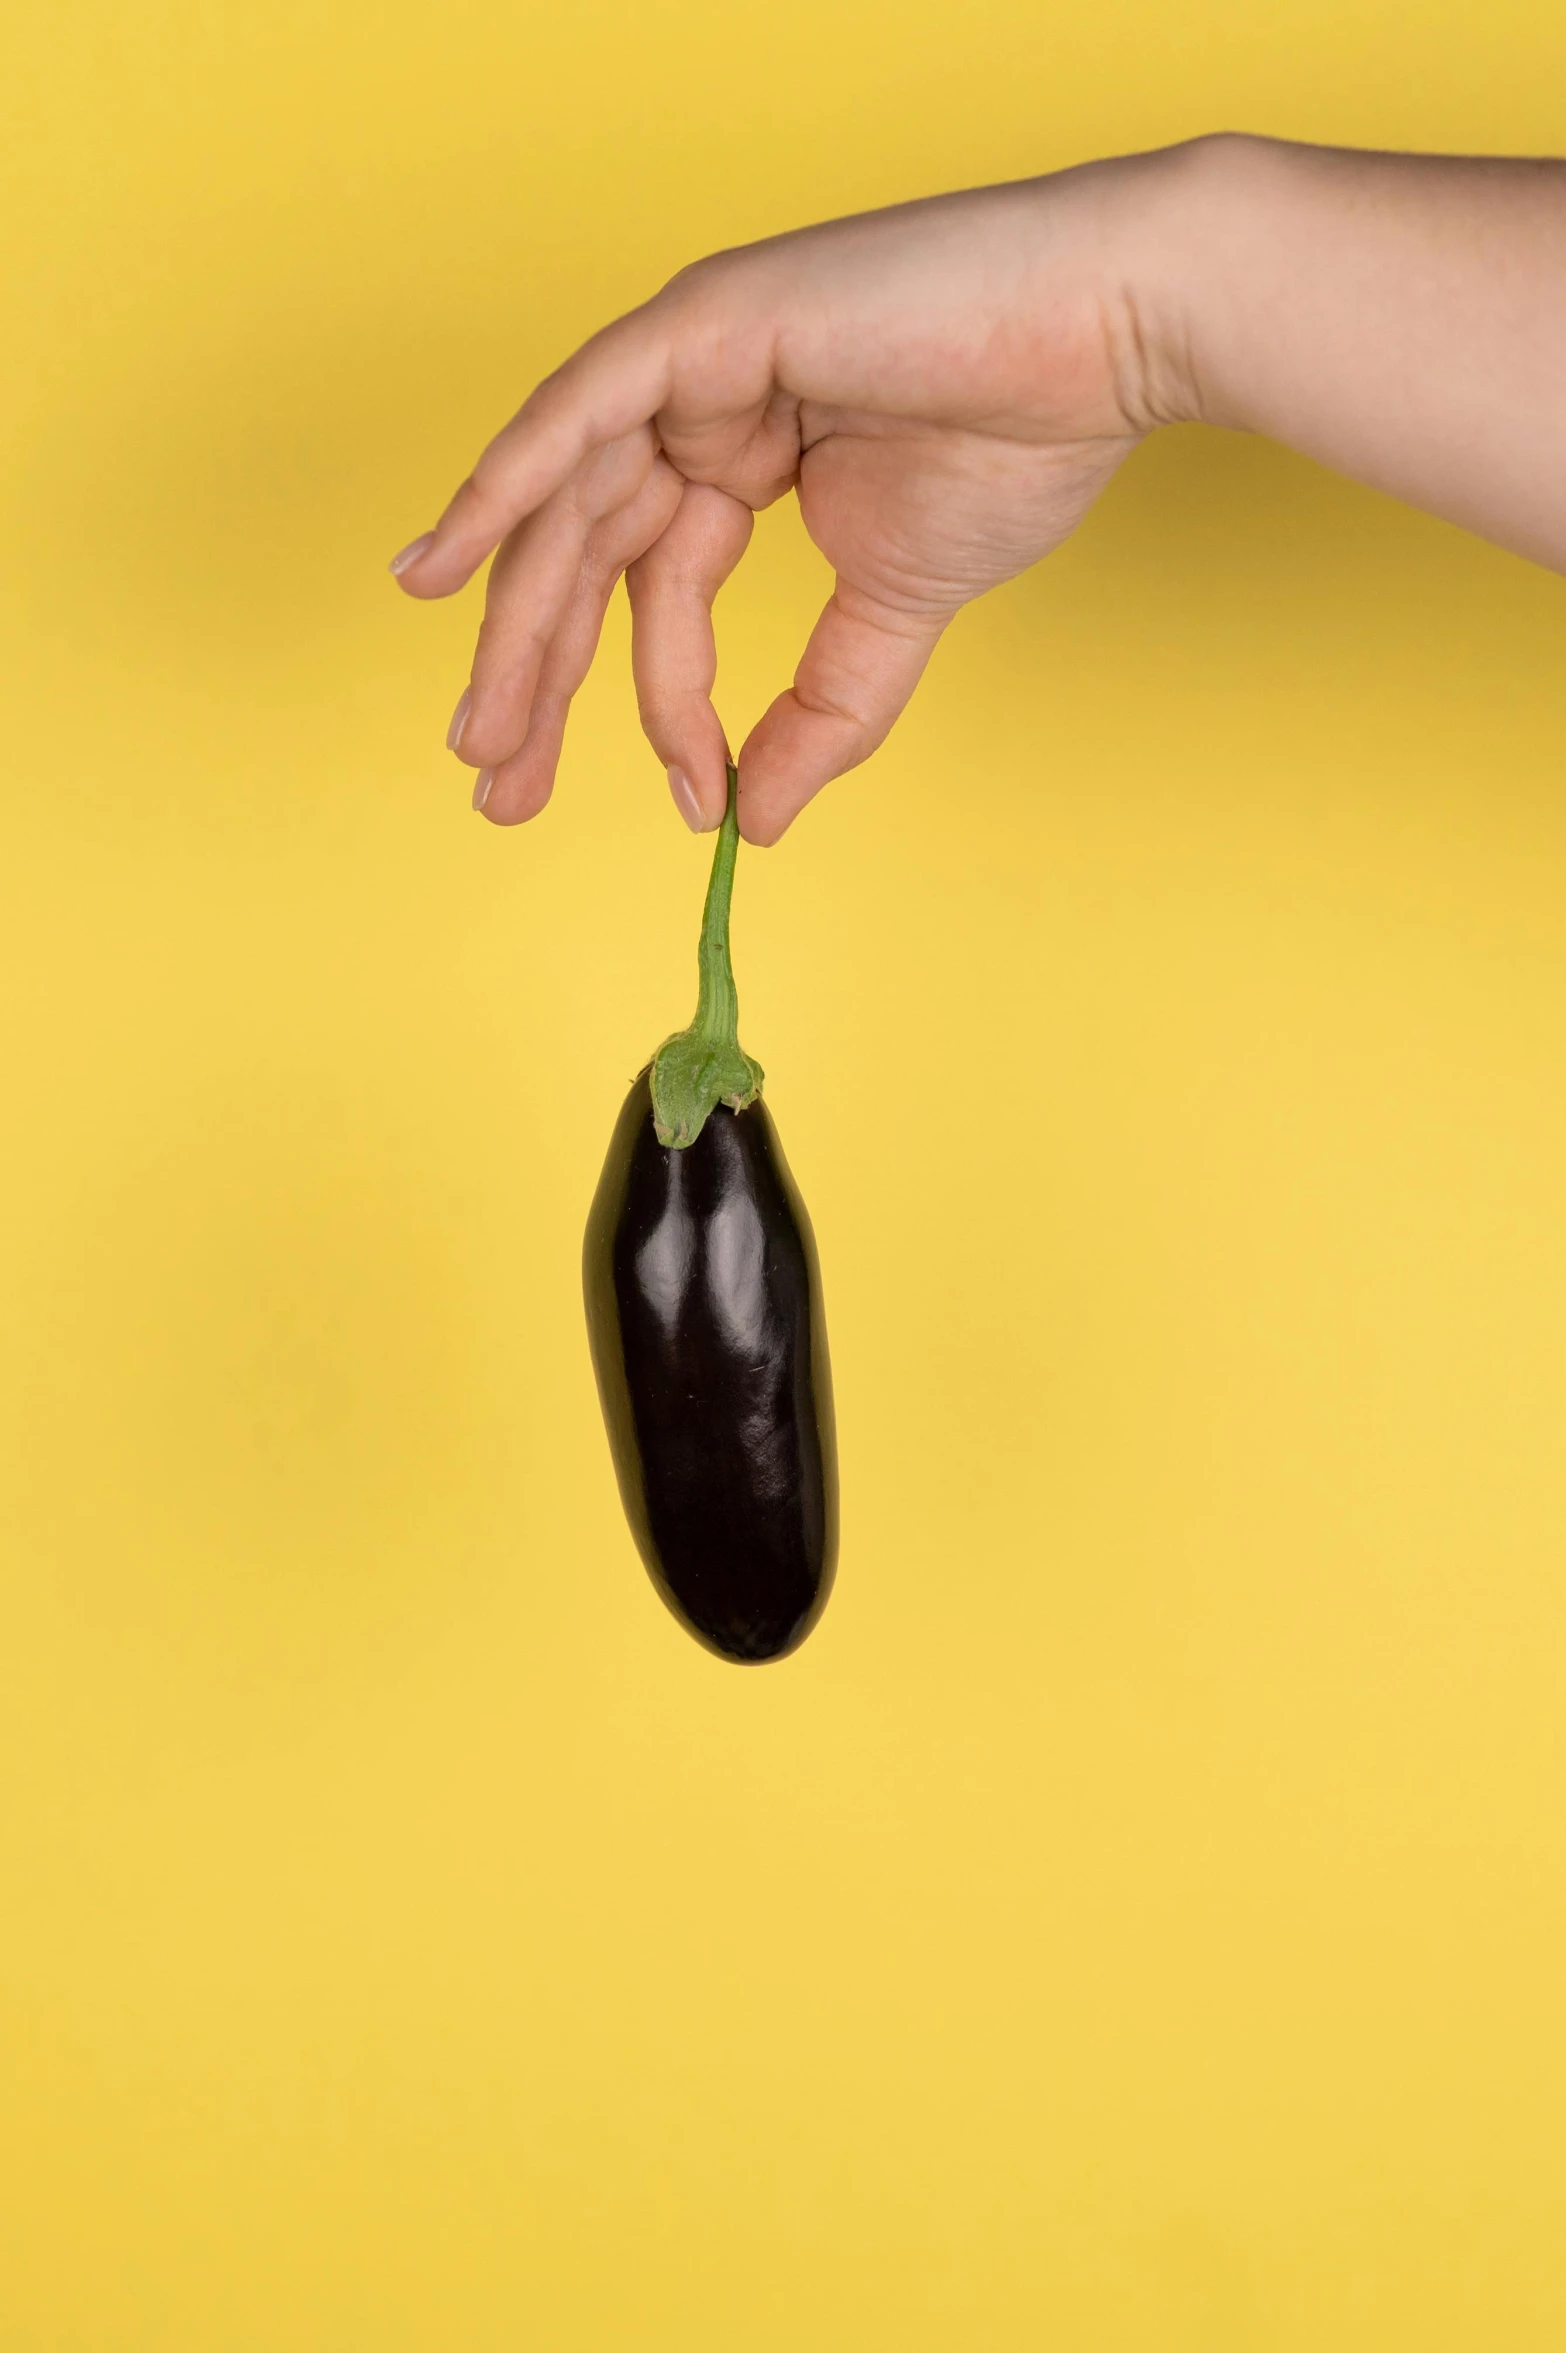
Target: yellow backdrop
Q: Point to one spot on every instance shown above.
(1137, 1918)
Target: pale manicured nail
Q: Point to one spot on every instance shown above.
(685, 800)
(459, 719)
(481, 784)
(410, 554)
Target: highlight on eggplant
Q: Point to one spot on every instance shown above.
(708, 1335)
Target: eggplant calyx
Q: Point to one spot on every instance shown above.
(705, 1065)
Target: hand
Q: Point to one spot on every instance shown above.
(946, 386)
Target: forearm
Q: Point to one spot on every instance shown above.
(1400, 318)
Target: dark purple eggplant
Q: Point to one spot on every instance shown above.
(708, 1335)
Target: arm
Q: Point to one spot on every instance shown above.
(1402, 318)
(947, 386)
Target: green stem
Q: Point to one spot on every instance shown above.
(717, 1002)
(703, 1066)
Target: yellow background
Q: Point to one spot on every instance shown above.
(1136, 1919)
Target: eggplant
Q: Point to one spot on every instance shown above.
(708, 1333)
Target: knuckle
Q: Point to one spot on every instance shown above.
(693, 278)
(831, 699)
(667, 718)
(860, 732)
(657, 718)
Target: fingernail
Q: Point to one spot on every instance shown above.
(410, 554)
(481, 785)
(459, 719)
(685, 800)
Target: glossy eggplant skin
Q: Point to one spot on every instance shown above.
(709, 1342)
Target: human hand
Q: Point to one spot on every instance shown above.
(946, 386)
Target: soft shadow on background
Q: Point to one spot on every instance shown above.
(1134, 1923)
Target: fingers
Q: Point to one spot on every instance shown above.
(615, 383)
(674, 655)
(534, 579)
(863, 662)
(519, 765)
(518, 787)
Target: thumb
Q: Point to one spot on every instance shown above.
(863, 662)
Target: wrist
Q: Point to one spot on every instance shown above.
(1184, 272)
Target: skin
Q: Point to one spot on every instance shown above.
(947, 386)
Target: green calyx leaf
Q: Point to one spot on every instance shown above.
(690, 1079)
(705, 1065)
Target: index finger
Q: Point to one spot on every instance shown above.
(619, 379)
